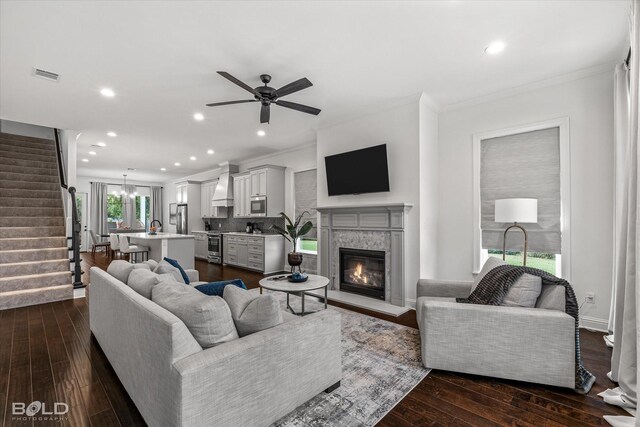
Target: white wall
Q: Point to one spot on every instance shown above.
(428, 188)
(399, 129)
(588, 102)
(26, 129)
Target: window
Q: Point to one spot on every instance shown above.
(531, 162)
(305, 184)
(116, 209)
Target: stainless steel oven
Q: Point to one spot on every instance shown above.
(214, 247)
(258, 206)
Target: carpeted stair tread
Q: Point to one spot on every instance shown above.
(28, 297)
(26, 176)
(13, 221)
(30, 194)
(32, 170)
(27, 163)
(27, 255)
(29, 202)
(7, 153)
(29, 185)
(22, 232)
(30, 212)
(18, 147)
(18, 269)
(32, 243)
(34, 281)
(35, 140)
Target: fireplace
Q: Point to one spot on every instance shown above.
(362, 272)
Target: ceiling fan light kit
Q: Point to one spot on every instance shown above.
(267, 95)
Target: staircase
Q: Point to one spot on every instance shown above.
(34, 258)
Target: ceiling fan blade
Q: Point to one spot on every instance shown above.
(303, 83)
(215, 104)
(265, 114)
(298, 107)
(238, 82)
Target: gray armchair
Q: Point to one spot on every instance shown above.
(528, 344)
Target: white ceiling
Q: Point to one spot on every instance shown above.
(160, 58)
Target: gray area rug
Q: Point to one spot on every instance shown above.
(380, 364)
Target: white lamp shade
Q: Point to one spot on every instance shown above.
(516, 210)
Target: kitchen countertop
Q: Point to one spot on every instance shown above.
(243, 234)
(159, 236)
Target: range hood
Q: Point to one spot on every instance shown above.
(223, 195)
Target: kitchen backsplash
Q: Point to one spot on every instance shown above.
(240, 224)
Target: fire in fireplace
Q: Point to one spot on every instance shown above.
(362, 272)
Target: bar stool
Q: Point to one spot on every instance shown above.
(125, 248)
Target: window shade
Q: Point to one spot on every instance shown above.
(525, 165)
(305, 184)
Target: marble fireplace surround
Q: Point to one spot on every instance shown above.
(372, 227)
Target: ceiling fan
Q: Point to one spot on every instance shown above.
(267, 95)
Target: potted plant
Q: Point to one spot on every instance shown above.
(292, 233)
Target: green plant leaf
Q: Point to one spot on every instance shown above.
(284, 215)
(305, 228)
(280, 231)
(300, 219)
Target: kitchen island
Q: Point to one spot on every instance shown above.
(180, 247)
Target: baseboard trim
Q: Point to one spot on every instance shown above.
(594, 323)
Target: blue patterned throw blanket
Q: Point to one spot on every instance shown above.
(496, 283)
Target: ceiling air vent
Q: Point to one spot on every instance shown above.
(38, 72)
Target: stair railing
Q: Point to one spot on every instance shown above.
(76, 226)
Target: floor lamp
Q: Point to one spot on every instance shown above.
(516, 211)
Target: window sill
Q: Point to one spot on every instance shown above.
(302, 251)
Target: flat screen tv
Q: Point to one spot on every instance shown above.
(357, 172)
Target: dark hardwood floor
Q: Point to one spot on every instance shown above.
(47, 354)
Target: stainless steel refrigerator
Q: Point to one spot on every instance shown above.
(182, 222)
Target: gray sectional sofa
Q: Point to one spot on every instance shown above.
(250, 381)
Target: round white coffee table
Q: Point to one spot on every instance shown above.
(283, 285)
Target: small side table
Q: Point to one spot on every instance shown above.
(314, 282)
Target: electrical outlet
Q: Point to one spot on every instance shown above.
(591, 298)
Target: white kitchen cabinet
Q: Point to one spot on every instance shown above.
(201, 245)
(258, 182)
(260, 252)
(206, 197)
(263, 181)
(241, 188)
(181, 192)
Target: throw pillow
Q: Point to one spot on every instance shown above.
(217, 288)
(207, 318)
(489, 265)
(164, 267)
(552, 297)
(252, 312)
(120, 269)
(177, 265)
(142, 281)
(524, 292)
(152, 263)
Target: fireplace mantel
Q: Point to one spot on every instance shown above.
(368, 226)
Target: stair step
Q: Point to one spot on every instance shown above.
(34, 281)
(7, 152)
(18, 232)
(28, 139)
(31, 194)
(30, 202)
(27, 255)
(30, 211)
(25, 176)
(20, 147)
(27, 163)
(32, 243)
(33, 268)
(28, 297)
(31, 170)
(42, 221)
(29, 185)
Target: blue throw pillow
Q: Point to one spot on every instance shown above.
(176, 264)
(217, 288)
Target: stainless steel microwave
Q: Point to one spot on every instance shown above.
(258, 206)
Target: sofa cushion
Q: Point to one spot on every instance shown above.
(252, 312)
(217, 288)
(152, 263)
(176, 264)
(120, 269)
(142, 281)
(420, 303)
(524, 292)
(552, 297)
(207, 318)
(164, 267)
(491, 263)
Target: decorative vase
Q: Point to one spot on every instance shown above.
(295, 260)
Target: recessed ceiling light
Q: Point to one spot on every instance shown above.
(85, 160)
(163, 169)
(495, 47)
(176, 164)
(101, 144)
(112, 134)
(261, 133)
(93, 153)
(192, 158)
(198, 116)
(210, 151)
(109, 93)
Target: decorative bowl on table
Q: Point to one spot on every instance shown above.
(298, 277)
